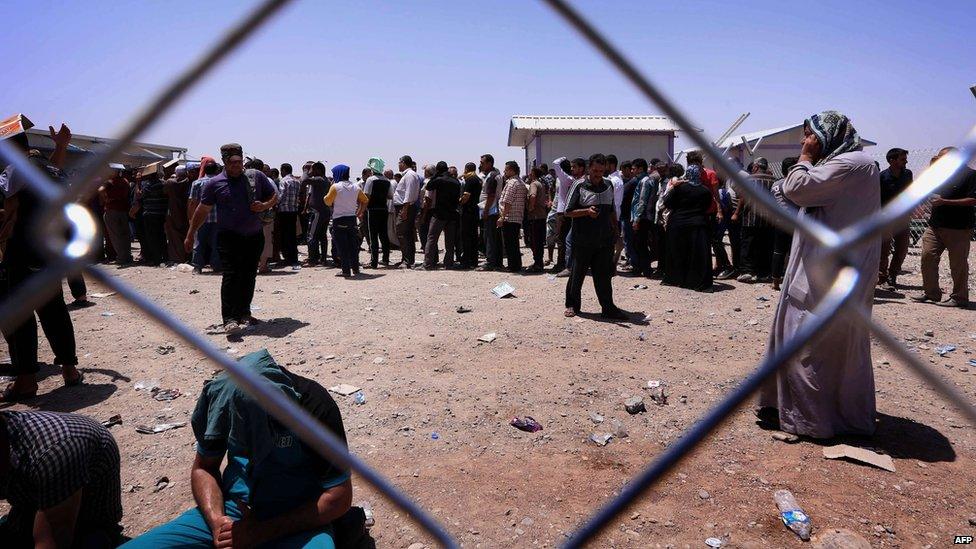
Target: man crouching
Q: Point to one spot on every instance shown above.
(274, 491)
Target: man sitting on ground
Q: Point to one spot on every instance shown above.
(274, 491)
(60, 475)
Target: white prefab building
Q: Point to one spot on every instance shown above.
(545, 138)
(774, 145)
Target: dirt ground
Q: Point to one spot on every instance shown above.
(494, 486)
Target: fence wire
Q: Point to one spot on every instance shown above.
(918, 161)
(72, 254)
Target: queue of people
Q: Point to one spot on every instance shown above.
(671, 222)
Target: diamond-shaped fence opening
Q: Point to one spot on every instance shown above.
(70, 255)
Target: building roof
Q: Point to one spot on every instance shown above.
(523, 127)
(753, 137)
(136, 153)
(34, 132)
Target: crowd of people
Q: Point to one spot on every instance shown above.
(660, 220)
(595, 217)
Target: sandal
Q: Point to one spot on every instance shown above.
(76, 381)
(568, 313)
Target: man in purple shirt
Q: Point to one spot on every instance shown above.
(239, 197)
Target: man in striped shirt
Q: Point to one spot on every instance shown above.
(511, 212)
(205, 245)
(287, 218)
(757, 231)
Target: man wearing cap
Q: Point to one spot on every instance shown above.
(240, 237)
(379, 191)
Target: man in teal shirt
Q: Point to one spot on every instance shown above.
(274, 491)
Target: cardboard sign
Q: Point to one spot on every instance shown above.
(154, 168)
(14, 125)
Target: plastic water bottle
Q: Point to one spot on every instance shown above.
(793, 516)
(360, 397)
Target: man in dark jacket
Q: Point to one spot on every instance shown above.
(446, 192)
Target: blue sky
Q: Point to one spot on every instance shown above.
(342, 81)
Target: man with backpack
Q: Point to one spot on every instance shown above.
(240, 198)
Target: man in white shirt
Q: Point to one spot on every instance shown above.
(566, 174)
(618, 195)
(405, 195)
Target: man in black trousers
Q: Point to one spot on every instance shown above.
(239, 197)
(595, 228)
(21, 260)
(470, 222)
(379, 190)
(286, 220)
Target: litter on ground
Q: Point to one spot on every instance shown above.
(863, 455)
(503, 290)
(344, 389)
(158, 428)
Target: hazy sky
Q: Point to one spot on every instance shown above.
(342, 81)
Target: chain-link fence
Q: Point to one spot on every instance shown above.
(72, 254)
(918, 161)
